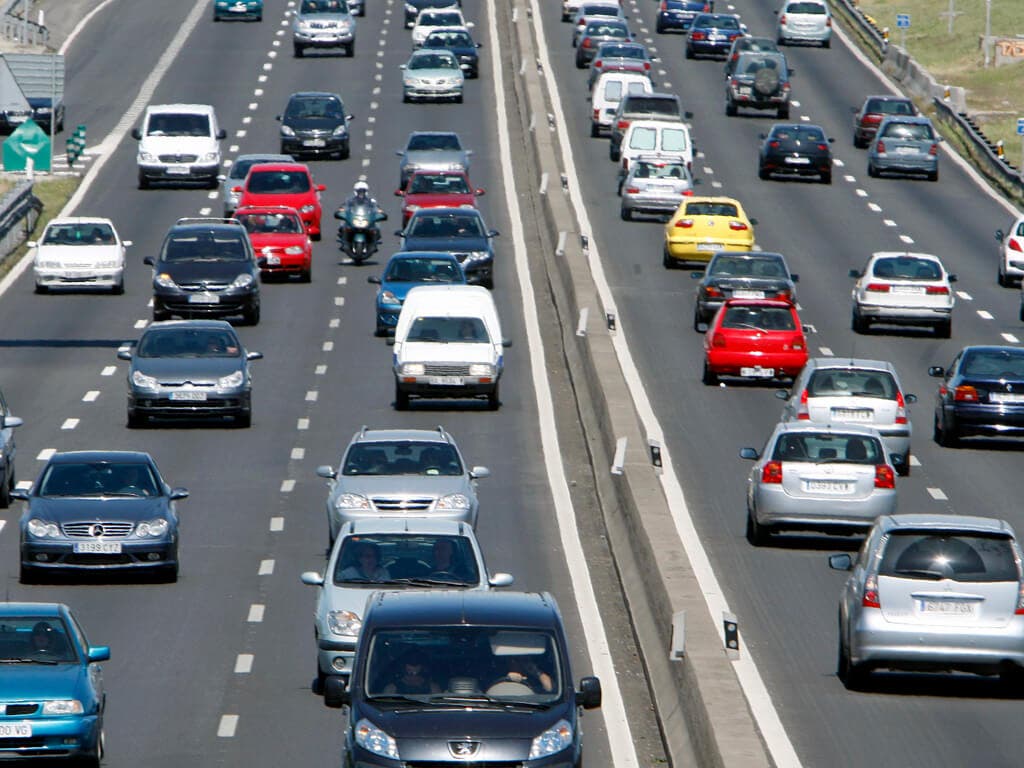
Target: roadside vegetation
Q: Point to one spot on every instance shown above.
(53, 192)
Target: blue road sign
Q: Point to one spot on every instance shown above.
(1020, 126)
(902, 20)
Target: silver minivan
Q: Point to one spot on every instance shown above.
(804, 21)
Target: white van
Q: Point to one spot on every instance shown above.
(655, 138)
(179, 143)
(448, 344)
(609, 88)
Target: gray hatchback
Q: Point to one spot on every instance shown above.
(905, 144)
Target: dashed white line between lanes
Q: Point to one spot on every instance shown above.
(141, 323)
(256, 611)
(45, 454)
(243, 664)
(826, 351)
(266, 568)
(937, 494)
(964, 295)
(276, 524)
(984, 314)
(312, 396)
(298, 454)
(1011, 338)
(227, 727)
(90, 396)
(287, 486)
(320, 370)
(69, 424)
(302, 424)
(327, 346)
(914, 461)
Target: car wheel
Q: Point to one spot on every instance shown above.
(401, 399)
(826, 43)
(143, 181)
(872, 171)
(580, 63)
(709, 377)
(756, 533)
(903, 470)
(350, 50)
(319, 682)
(160, 314)
(135, 420)
(244, 419)
(5, 492)
(41, 289)
(859, 324)
(730, 108)
(626, 214)
(933, 176)
(697, 319)
(1001, 277)
(659, 28)
(763, 173)
(689, 52)
(316, 237)
(826, 178)
(251, 316)
(666, 259)
(169, 573)
(29, 575)
(493, 400)
(118, 289)
(614, 153)
(947, 438)
(299, 51)
(306, 276)
(458, 99)
(784, 113)
(859, 143)
(944, 329)
(346, 151)
(595, 130)
(853, 676)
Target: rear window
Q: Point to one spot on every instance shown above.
(909, 131)
(651, 105)
(822, 447)
(643, 138)
(815, 8)
(994, 363)
(852, 383)
(904, 268)
(747, 267)
(759, 318)
(613, 90)
(601, 29)
(646, 170)
(711, 209)
(965, 556)
(673, 140)
(890, 107)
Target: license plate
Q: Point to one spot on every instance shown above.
(906, 151)
(273, 261)
(967, 608)
(798, 160)
(204, 298)
(709, 247)
(746, 294)
(446, 381)
(189, 394)
(827, 486)
(1005, 397)
(175, 171)
(744, 91)
(98, 547)
(314, 143)
(15, 730)
(757, 373)
(909, 289)
(852, 414)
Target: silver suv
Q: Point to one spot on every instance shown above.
(401, 473)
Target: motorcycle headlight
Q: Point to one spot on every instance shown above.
(360, 223)
(63, 707)
(42, 529)
(210, 157)
(146, 157)
(373, 739)
(387, 297)
(286, 130)
(554, 739)
(152, 528)
(481, 369)
(231, 380)
(309, 208)
(294, 250)
(453, 501)
(413, 369)
(344, 623)
(242, 281)
(164, 280)
(352, 501)
(142, 381)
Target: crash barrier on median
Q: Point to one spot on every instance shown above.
(18, 29)
(701, 708)
(19, 212)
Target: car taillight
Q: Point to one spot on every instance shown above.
(870, 598)
(823, 147)
(877, 288)
(586, 42)
(785, 294)
(803, 412)
(782, 19)
(901, 408)
(937, 290)
(828, 22)
(734, 83)
(965, 393)
(933, 149)
(698, 35)
(718, 341)
(881, 146)
(647, 65)
(622, 125)
(597, 64)
(1020, 600)
(713, 292)
(597, 114)
(633, 190)
(884, 476)
(664, 5)
(738, 226)
(688, 192)
(798, 342)
(872, 119)
(1015, 245)
(707, 8)
(684, 223)
(773, 144)
(772, 472)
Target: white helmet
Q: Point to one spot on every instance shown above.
(361, 188)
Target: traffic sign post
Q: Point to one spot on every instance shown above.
(76, 144)
(1020, 132)
(903, 24)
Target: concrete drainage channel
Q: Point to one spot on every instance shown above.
(701, 707)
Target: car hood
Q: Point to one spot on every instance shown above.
(175, 145)
(78, 253)
(178, 370)
(352, 597)
(401, 289)
(458, 50)
(451, 352)
(440, 723)
(37, 682)
(313, 123)
(331, 18)
(406, 485)
(110, 508)
(450, 244)
(436, 158)
(437, 72)
(218, 272)
(442, 200)
(754, 283)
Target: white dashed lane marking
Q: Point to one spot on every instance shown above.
(287, 486)
(1011, 338)
(277, 524)
(984, 315)
(266, 568)
(335, 322)
(243, 664)
(45, 454)
(964, 295)
(90, 396)
(907, 239)
(914, 461)
(228, 726)
(327, 346)
(826, 351)
(312, 396)
(69, 424)
(298, 454)
(141, 323)
(302, 424)
(320, 370)
(937, 494)
(256, 611)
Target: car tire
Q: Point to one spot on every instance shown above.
(595, 130)
(826, 178)
(251, 316)
(944, 329)
(614, 153)
(143, 181)
(730, 108)
(859, 324)
(168, 574)
(933, 176)
(947, 438)
(697, 320)
(689, 52)
(709, 377)
(350, 49)
(757, 534)
(493, 399)
(872, 171)
(1001, 277)
(666, 259)
(306, 276)
(5, 491)
(160, 314)
(244, 419)
(659, 28)
(580, 63)
(401, 399)
(859, 143)
(763, 173)
(826, 43)
(626, 214)
(346, 151)
(299, 51)
(784, 113)
(42, 289)
(853, 676)
(29, 575)
(458, 99)
(903, 470)
(118, 289)
(135, 420)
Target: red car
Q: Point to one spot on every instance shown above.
(754, 339)
(288, 184)
(437, 189)
(279, 239)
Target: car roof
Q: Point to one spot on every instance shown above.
(711, 199)
(653, 122)
(411, 608)
(160, 108)
(433, 133)
(281, 166)
(314, 95)
(780, 303)
(835, 363)
(403, 255)
(387, 435)
(80, 220)
(203, 224)
(74, 457)
(863, 430)
(917, 119)
(13, 610)
(219, 325)
(446, 210)
(945, 522)
(268, 209)
(905, 255)
(440, 526)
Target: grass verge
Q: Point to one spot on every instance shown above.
(53, 193)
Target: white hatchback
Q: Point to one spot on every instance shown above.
(1011, 252)
(899, 288)
(804, 21)
(79, 252)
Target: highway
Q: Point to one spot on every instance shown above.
(215, 670)
(784, 595)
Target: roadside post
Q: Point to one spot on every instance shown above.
(903, 24)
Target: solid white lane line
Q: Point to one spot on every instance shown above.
(287, 486)
(90, 396)
(45, 454)
(227, 727)
(298, 454)
(243, 664)
(2, 524)
(984, 315)
(266, 568)
(69, 424)
(276, 524)
(937, 494)
(256, 611)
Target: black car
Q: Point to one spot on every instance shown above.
(460, 43)
(679, 14)
(796, 149)
(982, 393)
(460, 231)
(413, 8)
(206, 268)
(491, 683)
(99, 510)
(712, 34)
(189, 368)
(315, 123)
(8, 421)
(737, 275)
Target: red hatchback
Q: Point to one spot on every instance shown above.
(437, 189)
(288, 184)
(279, 239)
(754, 339)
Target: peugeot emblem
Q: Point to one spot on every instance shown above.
(97, 530)
(463, 749)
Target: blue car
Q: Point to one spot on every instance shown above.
(404, 271)
(238, 9)
(461, 231)
(679, 14)
(51, 685)
(711, 34)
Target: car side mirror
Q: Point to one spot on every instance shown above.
(399, 193)
(795, 278)
(937, 371)
(856, 273)
(696, 275)
(321, 187)
(148, 260)
(312, 578)
(399, 233)
(278, 118)
(897, 460)
(336, 694)
(842, 562)
(399, 152)
(382, 216)
(32, 244)
(390, 341)
(326, 471)
(136, 134)
(783, 394)
(589, 694)
(253, 355)
(854, 110)
(10, 422)
(807, 328)
(479, 473)
(350, 117)
(470, 24)
(501, 580)
(98, 653)
(222, 134)
(261, 261)
(910, 398)
(749, 453)
(831, 140)
(19, 493)
(494, 233)
(338, 214)
(178, 493)
(236, 189)
(124, 354)
(479, 191)
(753, 222)
(506, 343)
(479, 45)
(999, 235)
(702, 327)
(401, 66)
(374, 279)
(952, 278)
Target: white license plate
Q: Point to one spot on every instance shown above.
(757, 373)
(798, 160)
(273, 261)
(967, 608)
(15, 730)
(852, 414)
(827, 486)
(906, 151)
(915, 290)
(314, 143)
(1005, 397)
(746, 294)
(204, 298)
(98, 547)
(709, 247)
(446, 381)
(744, 91)
(189, 394)
(175, 171)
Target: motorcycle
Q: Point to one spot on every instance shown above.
(358, 234)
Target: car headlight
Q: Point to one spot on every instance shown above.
(554, 739)
(477, 256)
(453, 501)
(294, 250)
(413, 369)
(360, 223)
(373, 739)
(147, 157)
(341, 130)
(344, 26)
(481, 369)
(351, 501)
(63, 707)
(387, 297)
(142, 381)
(413, 81)
(210, 157)
(152, 528)
(42, 529)
(244, 280)
(231, 380)
(344, 623)
(164, 280)
(286, 130)
(309, 208)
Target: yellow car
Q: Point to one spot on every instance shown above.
(702, 226)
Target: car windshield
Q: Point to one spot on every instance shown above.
(818, 447)
(204, 246)
(712, 209)
(169, 124)
(278, 182)
(465, 666)
(425, 270)
(445, 225)
(188, 342)
(752, 266)
(759, 318)
(98, 478)
(954, 555)
(438, 184)
(324, 6)
(994, 363)
(646, 170)
(444, 330)
(907, 268)
(270, 223)
(909, 131)
(432, 141)
(314, 108)
(402, 457)
(85, 233)
(406, 558)
(836, 382)
(35, 640)
(442, 39)
(442, 19)
(433, 61)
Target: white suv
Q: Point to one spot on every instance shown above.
(179, 143)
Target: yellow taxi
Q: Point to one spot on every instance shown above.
(702, 226)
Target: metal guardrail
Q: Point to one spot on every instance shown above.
(18, 29)
(19, 211)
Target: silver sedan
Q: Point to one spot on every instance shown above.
(432, 75)
(654, 186)
(934, 593)
(818, 478)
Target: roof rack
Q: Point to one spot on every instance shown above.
(206, 220)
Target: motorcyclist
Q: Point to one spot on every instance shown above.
(360, 197)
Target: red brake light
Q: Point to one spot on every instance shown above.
(773, 144)
(828, 22)
(937, 290)
(738, 226)
(884, 476)
(1020, 601)
(633, 191)
(872, 118)
(622, 125)
(1015, 245)
(688, 192)
(698, 35)
(934, 149)
(586, 42)
(684, 223)
(881, 146)
(782, 19)
(597, 64)
(823, 147)
(803, 413)
(878, 287)
(901, 408)
(870, 599)
(713, 292)
(597, 114)
(664, 5)
(772, 472)
(965, 393)
(647, 65)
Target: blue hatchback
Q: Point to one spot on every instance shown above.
(51, 686)
(679, 14)
(404, 271)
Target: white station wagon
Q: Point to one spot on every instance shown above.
(79, 253)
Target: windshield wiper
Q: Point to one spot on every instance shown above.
(396, 698)
(426, 581)
(48, 662)
(923, 572)
(481, 699)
